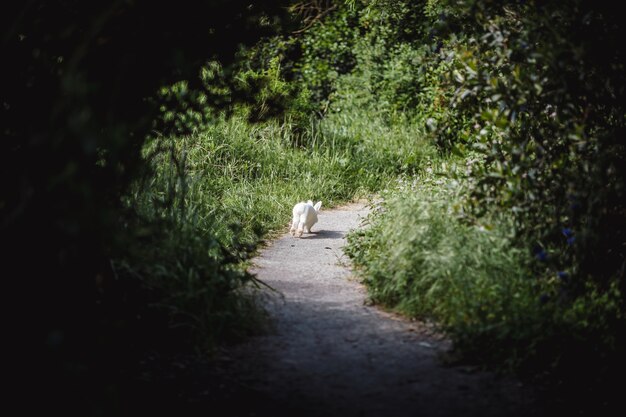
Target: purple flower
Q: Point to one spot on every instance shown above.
(569, 234)
(544, 298)
(564, 276)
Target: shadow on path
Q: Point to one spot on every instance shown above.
(324, 234)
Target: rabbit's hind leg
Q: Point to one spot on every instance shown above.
(294, 226)
(301, 227)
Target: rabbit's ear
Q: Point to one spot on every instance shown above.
(310, 202)
(318, 206)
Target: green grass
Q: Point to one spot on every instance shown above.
(251, 175)
(422, 257)
(216, 194)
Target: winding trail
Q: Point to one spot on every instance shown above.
(330, 354)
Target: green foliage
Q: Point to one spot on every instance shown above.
(531, 97)
(257, 92)
(545, 99)
(327, 52)
(421, 255)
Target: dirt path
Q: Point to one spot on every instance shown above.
(331, 355)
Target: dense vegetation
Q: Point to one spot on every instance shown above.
(147, 150)
(514, 242)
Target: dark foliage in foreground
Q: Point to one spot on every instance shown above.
(78, 87)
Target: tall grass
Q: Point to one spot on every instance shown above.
(216, 194)
(422, 256)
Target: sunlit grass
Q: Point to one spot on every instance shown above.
(219, 192)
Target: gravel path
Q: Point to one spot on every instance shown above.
(330, 354)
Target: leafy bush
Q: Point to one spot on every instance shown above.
(551, 142)
(421, 255)
(327, 51)
(531, 98)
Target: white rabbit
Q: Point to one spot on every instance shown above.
(304, 217)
